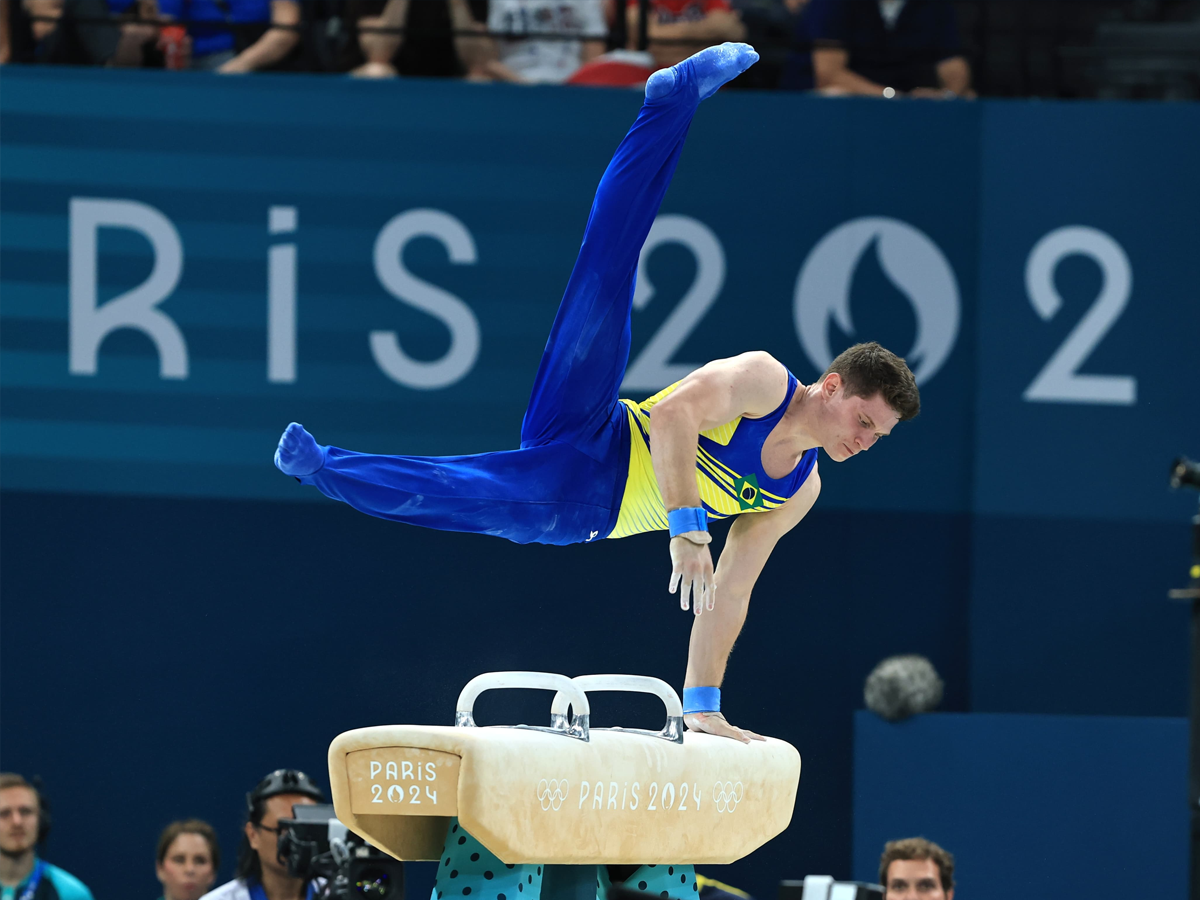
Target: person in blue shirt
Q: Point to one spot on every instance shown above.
(24, 824)
(215, 27)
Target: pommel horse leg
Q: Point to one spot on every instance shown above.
(467, 869)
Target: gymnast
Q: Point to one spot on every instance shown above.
(738, 435)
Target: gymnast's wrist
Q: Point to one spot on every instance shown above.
(690, 523)
(701, 700)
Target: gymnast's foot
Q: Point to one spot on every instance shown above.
(707, 70)
(298, 453)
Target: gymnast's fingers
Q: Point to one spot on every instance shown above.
(685, 593)
(675, 576)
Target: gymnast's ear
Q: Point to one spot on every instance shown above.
(830, 384)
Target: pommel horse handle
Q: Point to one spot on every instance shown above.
(672, 731)
(464, 710)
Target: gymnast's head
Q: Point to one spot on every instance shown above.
(863, 394)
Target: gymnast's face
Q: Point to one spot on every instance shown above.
(850, 425)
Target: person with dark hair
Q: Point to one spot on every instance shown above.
(24, 826)
(187, 859)
(737, 437)
(260, 875)
(916, 869)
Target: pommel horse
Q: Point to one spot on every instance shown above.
(562, 794)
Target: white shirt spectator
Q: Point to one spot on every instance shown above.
(545, 61)
(237, 890)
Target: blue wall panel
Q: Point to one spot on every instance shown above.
(1037, 807)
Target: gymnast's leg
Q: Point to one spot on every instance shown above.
(583, 365)
(563, 492)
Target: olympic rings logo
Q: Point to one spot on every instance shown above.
(552, 792)
(727, 795)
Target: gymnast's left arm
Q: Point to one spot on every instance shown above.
(751, 539)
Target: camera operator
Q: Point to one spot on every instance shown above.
(24, 824)
(260, 874)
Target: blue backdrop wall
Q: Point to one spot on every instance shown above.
(188, 263)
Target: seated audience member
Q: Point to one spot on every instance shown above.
(24, 824)
(5, 37)
(425, 48)
(259, 872)
(91, 32)
(694, 24)
(523, 57)
(229, 50)
(865, 46)
(187, 859)
(916, 869)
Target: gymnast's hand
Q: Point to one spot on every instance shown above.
(691, 564)
(298, 453)
(715, 723)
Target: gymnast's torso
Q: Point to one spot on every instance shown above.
(729, 470)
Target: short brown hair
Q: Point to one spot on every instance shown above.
(12, 780)
(190, 826)
(917, 848)
(869, 369)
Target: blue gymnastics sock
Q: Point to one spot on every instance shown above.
(707, 70)
(298, 453)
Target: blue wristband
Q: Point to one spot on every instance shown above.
(701, 699)
(691, 518)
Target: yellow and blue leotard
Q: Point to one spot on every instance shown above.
(583, 469)
(729, 472)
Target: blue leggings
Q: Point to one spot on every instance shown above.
(564, 485)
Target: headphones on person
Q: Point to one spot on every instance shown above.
(44, 819)
(281, 781)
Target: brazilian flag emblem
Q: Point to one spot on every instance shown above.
(748, 494)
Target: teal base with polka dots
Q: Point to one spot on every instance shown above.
(467, 869)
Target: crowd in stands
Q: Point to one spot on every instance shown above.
(839, 46)
(929, 49)
(188, 857)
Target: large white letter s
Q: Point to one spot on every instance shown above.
(441, 304)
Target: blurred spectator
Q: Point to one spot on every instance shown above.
(916, 869)
(244, 35)
(187, 859)
(865, 46)
(689, 26)
(425, 48)
(24, 824)
(528, 59)
(5, 38)
(711, 889)
(259, 871)
(91, 32)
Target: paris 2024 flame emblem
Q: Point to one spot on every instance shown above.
(910, 260)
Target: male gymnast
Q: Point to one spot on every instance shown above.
(738, 435)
